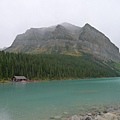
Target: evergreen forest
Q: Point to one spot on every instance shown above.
(53, 66)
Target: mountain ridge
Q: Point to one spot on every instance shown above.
(66, 38)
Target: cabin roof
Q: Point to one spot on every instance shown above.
(20, 77)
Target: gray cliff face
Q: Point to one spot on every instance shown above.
(97, 43)
(66, 38)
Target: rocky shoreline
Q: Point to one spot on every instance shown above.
(106, 114)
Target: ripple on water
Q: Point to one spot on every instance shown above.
(4, 115)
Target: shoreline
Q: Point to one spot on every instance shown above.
(49, 80)
(109, 113)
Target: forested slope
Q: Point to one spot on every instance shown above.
(53, 66)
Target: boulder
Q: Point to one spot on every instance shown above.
(110, 116)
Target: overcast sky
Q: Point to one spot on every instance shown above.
(16, 16)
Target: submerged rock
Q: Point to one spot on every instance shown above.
(76, 117)
(65, 115)
(56, 117)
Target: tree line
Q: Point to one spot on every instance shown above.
(52, 66)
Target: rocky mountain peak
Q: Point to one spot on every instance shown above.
(87, 25)
(66, 38)
(74, 29)
(69, 26)
(60, 27)
(88, 28)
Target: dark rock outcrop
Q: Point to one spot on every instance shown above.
(66, 38)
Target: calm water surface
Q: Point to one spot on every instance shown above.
(42, 100)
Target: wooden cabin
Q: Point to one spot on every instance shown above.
(19, 78)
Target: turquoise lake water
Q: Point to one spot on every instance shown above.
(42, 100)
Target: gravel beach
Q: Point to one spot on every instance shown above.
(106, 114)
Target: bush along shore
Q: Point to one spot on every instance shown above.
(106, 114)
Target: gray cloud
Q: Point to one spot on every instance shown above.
(16, 16)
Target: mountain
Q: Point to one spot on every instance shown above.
(67, 39)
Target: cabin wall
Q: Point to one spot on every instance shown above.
(18, 80)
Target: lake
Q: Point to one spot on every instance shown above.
(42, 100)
